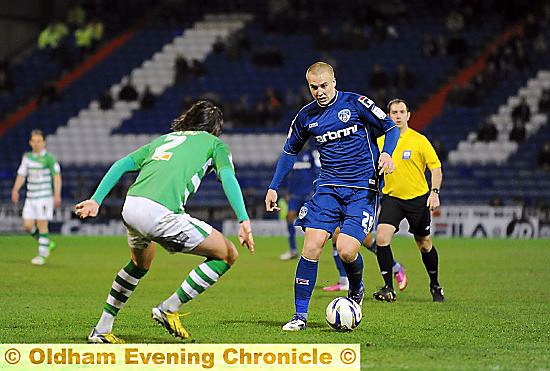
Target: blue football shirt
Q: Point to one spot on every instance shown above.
(344, 132)
(304, 172)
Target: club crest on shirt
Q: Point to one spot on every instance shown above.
(344, 115)
(407, 154)
(303, 212)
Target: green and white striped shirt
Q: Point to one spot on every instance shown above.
(173, 165)
(39, 170)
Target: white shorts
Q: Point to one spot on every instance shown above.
(38, 209)
(148, 221)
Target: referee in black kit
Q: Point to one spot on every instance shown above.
(406, 195)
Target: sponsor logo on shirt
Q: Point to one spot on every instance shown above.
(344, 115)
(374, 109)
(332, 135)
(313, 125)
(407, 154)
(365, 101)
(303, 212)
(302, 281)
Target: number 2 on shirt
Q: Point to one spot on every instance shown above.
(172, 141)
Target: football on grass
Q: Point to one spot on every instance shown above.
(343, 314)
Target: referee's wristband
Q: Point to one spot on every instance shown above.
(435, 190)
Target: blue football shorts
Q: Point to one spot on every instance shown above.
(351, 209)
(295, 201)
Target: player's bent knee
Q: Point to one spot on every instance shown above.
(348, 256)
(424, 244)
(312, 252)
(232, 253)
(383, 241)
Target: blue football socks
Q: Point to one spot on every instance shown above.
(306, 275)
(355, 272)
(291, 236)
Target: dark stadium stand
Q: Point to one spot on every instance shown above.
(227, 79)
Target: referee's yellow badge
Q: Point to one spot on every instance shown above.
(407, 154)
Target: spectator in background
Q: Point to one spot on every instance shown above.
(544, 102)
(380, 84)
(270, 56)
(378, 78)
(6, 80)
(488, 131)
(273, 104)
(50, 39)
(404, 78)
(237, 43)
(128, 93)
(83, 37)
(51, 36)
(518, 133)
(531, 30)
(97, 32)
(495, 201)
(241, 111)
(470, 95)
(219, 45)
(543, 159)
(440, 149)
(521, 113)
(455, 98)
(322, 40)
(148, 99)
(106, 100)
(76, 16)
(454, 21)
(429, 47)
(49, 93)
(442, 48)
(457, 47)
(351, 38)
(197, 68)
(182, 70)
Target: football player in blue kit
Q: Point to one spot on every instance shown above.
(299, 189)
(344, 126)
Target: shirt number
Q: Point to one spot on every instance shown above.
(367, 222)
(172, 141)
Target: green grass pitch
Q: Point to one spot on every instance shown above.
(497, 313)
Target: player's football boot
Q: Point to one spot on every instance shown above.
(38, 260)
(401, 279)
(52, 246)
(288, 255)
(297, 323)
(108, 338)
(170, 321)
(337, 287)
(385, 293)
(437, 293)
(357, 296)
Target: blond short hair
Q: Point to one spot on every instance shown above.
(320, 67)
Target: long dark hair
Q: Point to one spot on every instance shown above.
(202, 116)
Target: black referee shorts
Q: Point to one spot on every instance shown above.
(393, 210)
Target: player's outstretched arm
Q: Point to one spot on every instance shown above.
(385, 164)
(271, 200)
(88, 208)
(284, 166)
(245, 235)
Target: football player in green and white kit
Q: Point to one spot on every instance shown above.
(171, 168)
(42, 173)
